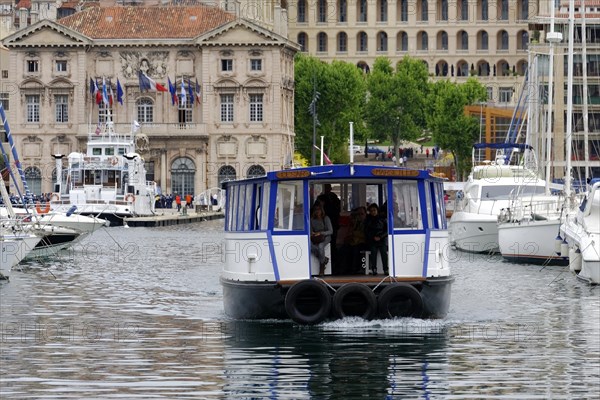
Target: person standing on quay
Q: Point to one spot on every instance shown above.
(178, 202)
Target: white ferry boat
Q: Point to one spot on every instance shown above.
(108, 181)
(269, 271)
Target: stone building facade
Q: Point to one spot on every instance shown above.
(242, 74)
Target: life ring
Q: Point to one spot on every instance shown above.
(308, 302)
(55, 197)
(355, 299)
(114, 161)
(130, 197)
(400, 300)
(38, 208)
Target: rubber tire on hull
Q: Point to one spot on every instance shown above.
(354, 300)
(400, 300)
(308, 302)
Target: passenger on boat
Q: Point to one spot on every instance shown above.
(376, 233)
(332, 206)
(354, 243)
(320, 235)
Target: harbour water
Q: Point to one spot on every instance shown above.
(137, 313)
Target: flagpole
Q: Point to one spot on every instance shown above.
(322, 140)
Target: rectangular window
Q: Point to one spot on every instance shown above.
(407, 214)
(33, 107)
(61, 66)
(4, 74)
(62, 108)
(227, 108)
(226, 65)
(256, 65)
(256, 108)
(4, 101)
(33, 66)
(289, 212)
(505, 95)
(103, 113)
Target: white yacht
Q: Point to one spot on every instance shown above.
(474, 222)
(581, 230)
(13, 249)
(108, 181)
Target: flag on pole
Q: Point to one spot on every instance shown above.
(104, 93)
(111, 95)
(98, 93)
(93, 88)
(147, 83)
(198, 92)
(191, 92)
(183, 95)
(174, 99)
(325, 157)
(119, 92)
(98, 129)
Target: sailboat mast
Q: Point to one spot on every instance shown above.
(584, 82)
(569, 99)
(552, 37)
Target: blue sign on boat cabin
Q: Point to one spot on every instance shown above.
(274, 270)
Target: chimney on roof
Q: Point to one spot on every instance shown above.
(280, 25)
(23, 15)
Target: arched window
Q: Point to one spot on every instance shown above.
(343, 11)
(522, 40)
(464, 40)
(422, 40)
(145, 111)
(362, 41)
(403, 11)
(302, 11)
(322, 11)
(226, 173)
(464, 10)
(402, 41)
(503, 40)
(255, 170)
(33, 176)
(183, 172)
(424, 11)
(363, 7)
(322, 42)
(503, 10)
(382, 42)
(484, 10)
(443, 10)
(383, 11)
(303, 41)
(342, 42)
(442, 41)
(483, 40)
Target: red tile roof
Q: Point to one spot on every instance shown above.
(171, 22)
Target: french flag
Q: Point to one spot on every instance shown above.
(147, 83)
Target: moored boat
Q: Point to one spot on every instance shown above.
(270, 271)
(108, 181)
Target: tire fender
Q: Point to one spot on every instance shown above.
(355, 299)
(308, 302)
(400, 300)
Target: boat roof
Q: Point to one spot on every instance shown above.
(344, 171)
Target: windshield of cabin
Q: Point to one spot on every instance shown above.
(504, 192)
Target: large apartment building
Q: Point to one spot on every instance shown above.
(455, 38)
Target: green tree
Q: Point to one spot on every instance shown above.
(341, 94)
(396, 100)
(451, 129)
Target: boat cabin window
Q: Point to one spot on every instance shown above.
(121, 151)
(405, 195)
(248, 210)
(96, 151)
(109, 151)
(504, 192)
(439, 222)
(289, 207)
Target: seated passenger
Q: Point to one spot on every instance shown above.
(320, 235)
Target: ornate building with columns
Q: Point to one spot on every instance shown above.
(240, 74)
